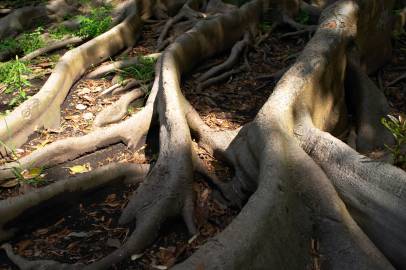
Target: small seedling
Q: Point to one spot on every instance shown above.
(33, 176)
(13, 76)
(397, 126)
(144, 70)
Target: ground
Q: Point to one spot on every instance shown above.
(88, 231)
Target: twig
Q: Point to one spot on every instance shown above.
(395, 81)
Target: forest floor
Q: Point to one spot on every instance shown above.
(89, 230)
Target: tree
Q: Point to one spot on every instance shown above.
(294, 180)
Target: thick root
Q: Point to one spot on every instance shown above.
(16, 211)
(372, 190)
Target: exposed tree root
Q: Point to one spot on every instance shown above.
(395, 81)
(220, 78)
(187, 12)
(298, 26)
(106, 69)
(14, 211)
(297, 184)
(370, 107)
(131, 131)
(121, 86)
(43, 109)
(118, 109)
(373, 191)
(52, 47)
(236, 51)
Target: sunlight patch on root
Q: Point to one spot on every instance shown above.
(374, 191)
(25, 207)
(43, 109)
(118, 110)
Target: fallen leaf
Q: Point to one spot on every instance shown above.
(31, 173)
(80, 168)
(88, 116)
(136, 256)
(81, 107)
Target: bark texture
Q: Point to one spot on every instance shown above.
(296, 183)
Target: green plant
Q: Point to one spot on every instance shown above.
(29, 42)
(96, 23)
(144, 70)
(397, 126)
(59, 32)
(303, 17)
(33, 176)
(13, 76)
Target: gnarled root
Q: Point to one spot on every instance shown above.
(307, 199)
(236, 51)
(187, 11)
(118, 109)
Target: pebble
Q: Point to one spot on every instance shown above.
(81, 107)
(88, 116)
(84, 91)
